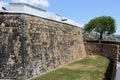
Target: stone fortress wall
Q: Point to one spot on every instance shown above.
(108, 50)
(30, 45)
(34, 41)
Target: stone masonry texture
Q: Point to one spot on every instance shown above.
(30, 45)
(102, 49)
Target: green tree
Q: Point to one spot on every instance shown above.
(101, 25)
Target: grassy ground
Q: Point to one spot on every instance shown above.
(89, 68)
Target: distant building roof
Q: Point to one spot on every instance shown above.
(32, 10)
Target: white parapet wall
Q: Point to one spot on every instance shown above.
(32, 10)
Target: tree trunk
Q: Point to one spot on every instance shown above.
(101, 37)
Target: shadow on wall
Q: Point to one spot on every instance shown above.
(110, 72)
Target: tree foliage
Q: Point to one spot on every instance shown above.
(101, 25)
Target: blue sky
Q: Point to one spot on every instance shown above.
(82, 10)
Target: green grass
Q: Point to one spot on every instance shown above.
(89, 68)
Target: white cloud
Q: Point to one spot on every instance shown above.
(3, 4)
(44, 3)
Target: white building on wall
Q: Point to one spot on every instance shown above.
(32, 10)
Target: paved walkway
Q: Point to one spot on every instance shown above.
(117, 77)
(118, 72)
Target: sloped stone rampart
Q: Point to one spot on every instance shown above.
(30, 45)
